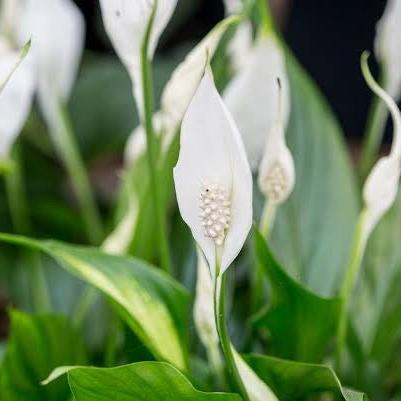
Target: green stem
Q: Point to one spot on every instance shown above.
(350, 278)
(216, 363)
(147, 85)
(66, 146)
(85, 302)
(266, 225)
(373, 137)
(219, 306)
(20, 217)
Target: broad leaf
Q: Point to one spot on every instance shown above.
(152, 304)
(293, 381)
(150, 381)
(314, 228)
(300, 322)
(38, 344)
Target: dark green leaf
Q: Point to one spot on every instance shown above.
(300, 323)
(38, 344)
(292, 381)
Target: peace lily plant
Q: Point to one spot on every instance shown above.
(237, 201)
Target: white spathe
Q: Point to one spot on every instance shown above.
(15, 98)
(277, 171)
(388, 47)
(126, 22)
(212, 156)
(10, 14)
(185, 79)
(178, 93)
(381, 187)
(57, 31)
(256, 388)
(252, 96)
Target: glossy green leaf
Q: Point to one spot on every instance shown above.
(301, 323)
(314, 228)
(293, 381)
(150, 381)
(152, 304)
(38, 344)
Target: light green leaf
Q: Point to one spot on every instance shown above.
(294, 380)
(314, 228)
(37, 345)
(377, 303)
(152, 304)
(150, 381)
(300, 322)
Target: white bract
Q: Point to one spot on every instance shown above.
(213, 180)
(381, 186)
(388, 47)
(252, 96)
(178, 92)
(17, 86)
(256, 389)
(57, 30)
(10, 15)
(126, 22)
(277, 172)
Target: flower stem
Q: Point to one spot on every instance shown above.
(350, 278)
(216, 363)
(66, 146)
(266, 17)
(373, 136)
(147, 85)
(20, 217)
(219, 306)
(266, 225)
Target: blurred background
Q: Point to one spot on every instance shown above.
(327, 36)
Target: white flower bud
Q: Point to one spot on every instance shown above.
(381, 186)
(388, 47)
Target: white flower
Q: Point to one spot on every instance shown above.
(212, 178)
(10, 14)
(388, 47)
(252, 96)
(57, 30)
(178, 92)
(204, 307)
(382, 184)
(136, 145)
(277, 171)
(256, 388)
(15, 97)
(126, 22)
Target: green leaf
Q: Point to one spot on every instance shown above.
(377, 303)
(294, 380)
(314, 228)
(152, 304)
(150, 381)
(300, 322)
(38, 344)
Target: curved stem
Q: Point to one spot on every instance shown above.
(373, 137)
(65, 143)
(266, 17)
(216, 363)
(219, 306)
(147, 85)
(350, 278)
(268, 218)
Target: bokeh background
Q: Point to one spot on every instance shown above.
(327, 36)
